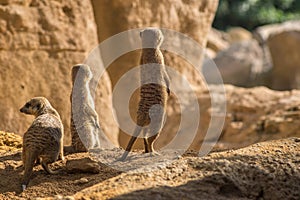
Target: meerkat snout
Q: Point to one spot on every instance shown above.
(31, 107)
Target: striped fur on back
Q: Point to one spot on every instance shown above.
(154, 91)
(43, 141)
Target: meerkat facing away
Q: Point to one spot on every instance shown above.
(84, 118)
(153, 92)
(43, 141)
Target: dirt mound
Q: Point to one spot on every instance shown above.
(268, 170)
(42, 184)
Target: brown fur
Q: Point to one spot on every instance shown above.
(43, 141)
(153, 92)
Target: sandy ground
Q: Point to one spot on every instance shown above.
(268, 170)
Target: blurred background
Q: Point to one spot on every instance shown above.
(251, 14)
(254, 44)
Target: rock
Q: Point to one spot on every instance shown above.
(263, 33)
(84, 165)
(238, 34)
(216, 41)
(192, 18)
(59, 197)
(40, 41)
(252, 115)
(20, 2)
(259, 171)
(285, 74)
(259, 114)
(9, 141)
(239, 65)
(81, 181)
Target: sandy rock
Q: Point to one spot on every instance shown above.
(216, 41)
(9, 141)
(259, 114)
(238, 34)
(239, 65)
(20, 2)
(263, 33)
(81, 181)
(84, 165)
(285, 74)
(266, 170)
(40, 41)
(252, 115)
(192, 18)
(182, 16)
(282, 41)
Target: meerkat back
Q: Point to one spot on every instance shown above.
(43, 139)
(84, 119)
(154, 91)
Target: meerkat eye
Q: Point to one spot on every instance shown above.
(27, 105)
(38, 106)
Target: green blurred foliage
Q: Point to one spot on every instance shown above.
(252, 13)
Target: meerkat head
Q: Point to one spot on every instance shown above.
(82, 72)
(151, 38)
(35, 106)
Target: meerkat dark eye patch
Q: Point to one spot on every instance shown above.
(27, 105)
(38, 106)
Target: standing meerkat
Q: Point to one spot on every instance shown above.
(43, 141)
(84, 118)
(154, 91)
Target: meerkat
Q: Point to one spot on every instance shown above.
(84, 118)
(43, 141)
(154, 91)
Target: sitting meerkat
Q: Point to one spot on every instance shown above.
(154, 91)
(43, 141)
(84, 118)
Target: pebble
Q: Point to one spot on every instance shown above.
(81, 181)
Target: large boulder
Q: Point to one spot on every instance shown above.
(216, 41)
(238, 34)
(283, 42)
(40, 42)
(239, 65)
(192, 18)
(285, 51)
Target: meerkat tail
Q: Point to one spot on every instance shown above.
(146, 145)
(145, 131)
(28, 165)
